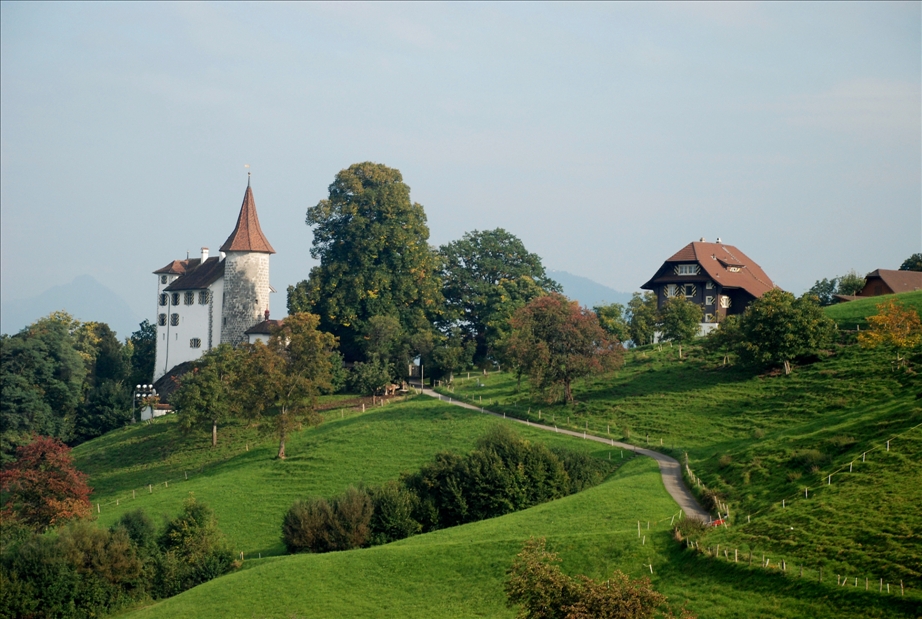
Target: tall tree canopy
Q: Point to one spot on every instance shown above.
(206, 396)
(912, 263)
(375, 259)
(555, 341)
(486, 277)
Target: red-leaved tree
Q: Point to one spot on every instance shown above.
(554, 341)
(42, 488)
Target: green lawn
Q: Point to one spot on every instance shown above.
(854, 314)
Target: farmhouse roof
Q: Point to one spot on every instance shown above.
(199, 277)
(898, 281)
(247, 235)
(724, 264)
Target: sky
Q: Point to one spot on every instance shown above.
(605, 136)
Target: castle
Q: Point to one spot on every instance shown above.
(203, 302)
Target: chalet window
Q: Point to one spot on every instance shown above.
(733, 269)
(174, 320)
(163, 279)
(686, 269)
(709, 285)
(164, 298)
(690, 290)
(671, 291)
(724, 301)
(161, 320)
(189, 298)
(195, 343)
(709, 300)
(204, 297)
(709, 318)
(175, 298)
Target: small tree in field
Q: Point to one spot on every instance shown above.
(779, 327)
(207, 396)
(42, 487)
(279, 382)
(679, 319)
(643, 317)
(894, 326)
(555, 341)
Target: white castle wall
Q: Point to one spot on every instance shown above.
(246, 293)
(196, 321)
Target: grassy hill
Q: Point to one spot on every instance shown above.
(854, 314)
(756, 439)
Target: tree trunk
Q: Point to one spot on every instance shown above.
(281, 447)
(567, 391)
(787, 367)
(214, 433)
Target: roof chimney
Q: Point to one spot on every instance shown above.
(204, 254)
(718, 239)
(702, 240)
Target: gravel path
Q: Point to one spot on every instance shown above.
(669, 467)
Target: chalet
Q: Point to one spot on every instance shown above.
(885, 281)
(719, 278)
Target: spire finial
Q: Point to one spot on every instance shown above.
(247, 166)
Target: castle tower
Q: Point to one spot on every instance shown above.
(246, 274)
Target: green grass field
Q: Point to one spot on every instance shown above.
(757, 439)
(854, 314)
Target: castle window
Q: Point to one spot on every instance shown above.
(164, 298)
(175, 298)
(161, 320)
(724, 301)
(709, 300)
(189, 298)
(686, 269)
(204, 297)
(163, 279)
(195, 343)
(174, 320)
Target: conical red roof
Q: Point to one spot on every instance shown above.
(247, 235)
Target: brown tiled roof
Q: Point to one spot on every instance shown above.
(247, 235)
(263, 328)
(178, 267)
(715, 260)
(199, 277)
(899, 281)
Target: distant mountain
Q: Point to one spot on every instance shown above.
(586, 291)
(84, 298)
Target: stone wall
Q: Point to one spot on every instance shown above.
(246, 294)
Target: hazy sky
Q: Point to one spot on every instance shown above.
(605, 136)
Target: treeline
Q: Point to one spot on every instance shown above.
(503, 474)
(69, 379)
(79, 570)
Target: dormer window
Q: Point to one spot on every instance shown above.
(687, 269)
(733, 269)
(724, 301)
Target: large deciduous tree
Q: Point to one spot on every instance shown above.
(42, 488)
(555, 341)
(486, 277)
(207, 394)
(143, 344)
(778, 327)
(912, 263)
(643, 319)
(679, 319)
(613, 318)
(375, 259)
(279, 382)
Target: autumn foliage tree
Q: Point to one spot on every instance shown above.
(279, 381)
(537, 586)
(554, 341)
(42, 488)
(894, 326)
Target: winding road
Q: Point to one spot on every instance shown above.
(669, 467)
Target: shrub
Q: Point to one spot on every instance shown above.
(307, 526)
(392, 513)
(583, 470)
(352, 519)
